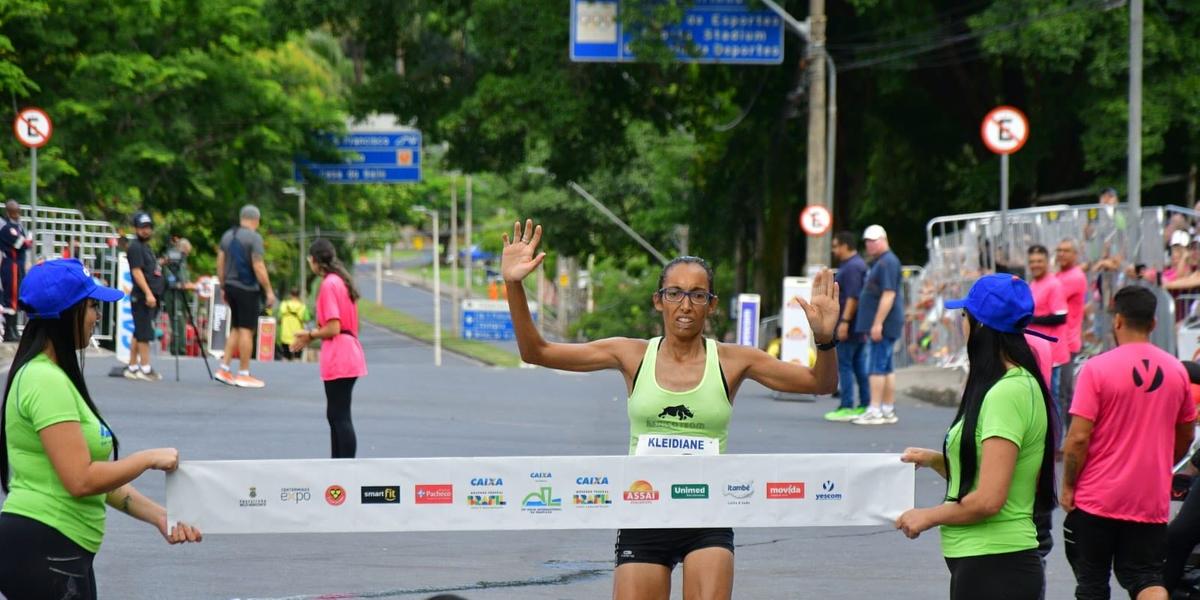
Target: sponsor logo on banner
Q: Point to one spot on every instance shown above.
(295, 495)
(738, 492)
(252, 499)
(335, 495)
(640, 492)
(593, 499)
(787, 490)
(486, 493)
(541, 476)
(435, 493)
(602, 480)
(541, 501)
(828, 492)
(689, 491)
(594, 492)
(380, 494)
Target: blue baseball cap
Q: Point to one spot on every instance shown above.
(1000, 301)
(56, 285)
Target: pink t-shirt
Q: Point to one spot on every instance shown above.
(342, 355)
(1042, 350)
(1134, 395)
(1074, 285)
(1048, 299)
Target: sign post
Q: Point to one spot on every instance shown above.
(1004, 130)
(33, 129)
(815, 220)
(749, 307)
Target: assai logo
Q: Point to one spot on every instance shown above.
(828, 492)
(640, 492)
(541, 501)
(435, 493)
(689, 491)
(486, 492)
(787, 490)
(252, 499)
(592, 480)
(486, 482)
(739, 492)
(295, 495)
(380, 494)
(335, 495)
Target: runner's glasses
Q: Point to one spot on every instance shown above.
(676, 295)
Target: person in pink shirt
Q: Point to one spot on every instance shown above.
(1049, 312)
(1133, 420)
(1042, 351)
(1075, 288)
(342, 358)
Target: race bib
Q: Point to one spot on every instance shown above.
(654, 444)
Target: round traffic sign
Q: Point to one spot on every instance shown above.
(33, 127)
(1004, 130)
(816, 220)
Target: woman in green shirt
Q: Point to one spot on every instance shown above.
(56, 447)
(998, 455)
(681, 388)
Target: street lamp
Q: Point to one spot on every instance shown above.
(299, 193)
(437, 288)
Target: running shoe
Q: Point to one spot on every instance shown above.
(843, 415)
(890, 418)
(871, 417)
(151, 376)
(225, 377)
(247, 381)
(132, 375)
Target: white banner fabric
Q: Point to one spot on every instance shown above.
(535, 492)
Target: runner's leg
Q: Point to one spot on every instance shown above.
(641, 581)
(708, 574)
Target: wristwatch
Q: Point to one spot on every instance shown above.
(830, 345)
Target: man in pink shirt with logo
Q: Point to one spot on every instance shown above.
(1133, 419)
(1049, 313)
(1075, 288)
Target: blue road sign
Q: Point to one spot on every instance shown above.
(372, 157)
(488, 320)
(712, 31)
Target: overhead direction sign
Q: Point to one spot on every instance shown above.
(372, 157)
(711, 31)
(33, 127)
(1004, 130)
(816, 220)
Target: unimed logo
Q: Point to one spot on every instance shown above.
(787, 490)
(689, 491)
(436, 493)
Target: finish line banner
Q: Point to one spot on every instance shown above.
(539, 492)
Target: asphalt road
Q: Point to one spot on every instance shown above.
(406, 407)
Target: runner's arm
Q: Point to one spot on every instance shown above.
(591, 356)
(782, 376)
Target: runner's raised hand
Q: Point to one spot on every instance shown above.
(823, 310)
(520, 256)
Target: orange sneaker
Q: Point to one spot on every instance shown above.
(247, 381)
(225, 377)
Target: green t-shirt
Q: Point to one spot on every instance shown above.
(703, 411)
(1013, 410)
(42, 396)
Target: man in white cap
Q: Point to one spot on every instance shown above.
(881, 318)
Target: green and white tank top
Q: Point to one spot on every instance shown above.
(669, 422)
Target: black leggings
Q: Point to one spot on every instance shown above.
(39, 563)
(337, 411)
(1011, 576)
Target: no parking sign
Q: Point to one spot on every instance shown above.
(815, 220)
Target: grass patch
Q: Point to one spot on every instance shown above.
(412, 327)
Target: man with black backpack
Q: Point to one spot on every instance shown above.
(243, 277)
(149, 285)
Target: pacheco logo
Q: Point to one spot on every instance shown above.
(294, 495)
(335, 495)
(689, 491)
(787, 490)
(380, 494)
(434, 493)
(828, 492)
(640, 491)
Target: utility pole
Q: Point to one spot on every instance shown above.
(1135, 123)
(454, 252)
(818, 249)
(470, 251)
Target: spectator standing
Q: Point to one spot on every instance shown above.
(852, 345)
(1133, 418)
(243, 277)
(1075, 288)
(14, 244)
(1049, 312)
(149, 286)
(880, 316)
(293, 314)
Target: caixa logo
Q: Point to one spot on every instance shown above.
(591, 480)
(787, 490)
(487, 481)
(541, 475)
(828, 492)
